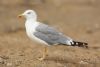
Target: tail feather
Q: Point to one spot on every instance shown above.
(80, 44)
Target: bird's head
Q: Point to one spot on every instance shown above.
(29, 14)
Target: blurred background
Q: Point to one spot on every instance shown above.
(79, 19)
(79, 13)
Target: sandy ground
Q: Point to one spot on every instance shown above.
(79, 19)
(16, 50)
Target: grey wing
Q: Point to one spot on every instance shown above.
(46, 37)
(50, 35)
(43, 28)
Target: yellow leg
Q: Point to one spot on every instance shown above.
(44, 54)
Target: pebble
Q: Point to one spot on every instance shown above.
(83, 62)
(9, 64)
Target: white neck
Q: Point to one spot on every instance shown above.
(30, 23)
(31, 19)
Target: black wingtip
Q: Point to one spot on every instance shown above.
(80, 44)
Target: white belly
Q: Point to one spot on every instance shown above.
(32, 37)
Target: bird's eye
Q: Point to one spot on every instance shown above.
(29, 13)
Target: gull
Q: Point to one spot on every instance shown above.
(46, 34)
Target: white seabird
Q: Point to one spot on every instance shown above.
(46, 34)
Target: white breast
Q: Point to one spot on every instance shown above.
(30, 29)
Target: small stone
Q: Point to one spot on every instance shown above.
(83, 62)
(9, 64)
